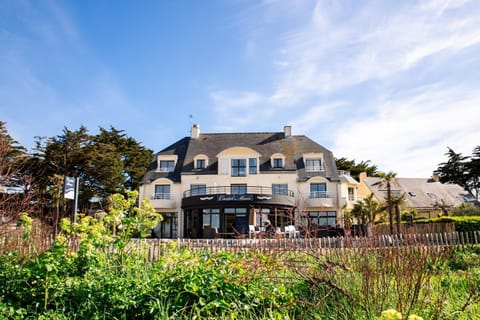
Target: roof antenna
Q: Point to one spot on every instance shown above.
(190, 116)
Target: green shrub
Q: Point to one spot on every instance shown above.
(462, 223)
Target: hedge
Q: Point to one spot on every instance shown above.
(462, 223)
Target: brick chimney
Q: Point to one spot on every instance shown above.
(287, 131)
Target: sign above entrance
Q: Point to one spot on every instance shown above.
(234, 197)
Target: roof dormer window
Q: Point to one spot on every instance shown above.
(277, 161)
(313, 162)
(200, 164)
(313, 165)
(200, 161)
(167, 165)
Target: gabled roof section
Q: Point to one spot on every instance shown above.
(264, 143)
(179, 149)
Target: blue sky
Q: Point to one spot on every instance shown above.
(394, 82)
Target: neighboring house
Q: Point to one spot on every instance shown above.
(426, 196)
(224, 183)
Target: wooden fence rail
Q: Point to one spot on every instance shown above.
(157, 247)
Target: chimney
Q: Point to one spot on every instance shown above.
(362, 176)
(195, 133)
(287, 131)
(435, 177)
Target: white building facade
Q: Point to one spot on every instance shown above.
(222, 184)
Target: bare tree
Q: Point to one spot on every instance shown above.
(15, 184)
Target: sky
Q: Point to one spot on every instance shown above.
(393, 82)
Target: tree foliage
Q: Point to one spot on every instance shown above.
(462, 170)
(107, 163)
(356, 168)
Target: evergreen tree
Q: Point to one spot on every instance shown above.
(356, 168)
(462, 170)
(107, 163)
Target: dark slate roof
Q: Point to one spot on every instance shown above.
(265, 143)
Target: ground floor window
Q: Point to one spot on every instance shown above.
(167, 228)
(211, 218)
(230, 221)
(235, 220)
(323, 218)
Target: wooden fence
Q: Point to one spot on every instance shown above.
(157, 247)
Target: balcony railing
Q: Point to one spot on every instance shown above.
(319, 194)
(237, 190)
(161, 196)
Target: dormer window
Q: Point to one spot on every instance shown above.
(200, 164)
(313, 161)
(252, 165)
(200, 161)
(167, 165)
(239, 167)
(313, 165)
(277, 161)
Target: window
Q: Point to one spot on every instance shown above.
(351, 194)
(162, 191)
(167, 228)
(280, 189)
(323, 218)
(167, 165)
(313, 165)
(211, 218)
(252, 165)
(223, 163)
(200, 164)
(235, 218)
(239, 167)
(432, 196)
(277, 163)
(198, 189)
(318, 190)
(238, 188)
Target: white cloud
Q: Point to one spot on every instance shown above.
(409, 135)
(380, 73)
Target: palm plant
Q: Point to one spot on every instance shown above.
(386, 180)
(397, 203)
(366, 211)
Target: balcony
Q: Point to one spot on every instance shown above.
(162, 200)
(319, 199)
(238, 195)
(254, 190)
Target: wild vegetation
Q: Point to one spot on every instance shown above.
(106, 279)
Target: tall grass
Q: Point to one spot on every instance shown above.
(97, 282)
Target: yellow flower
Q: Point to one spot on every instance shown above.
(414, 317)
(391, 314)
